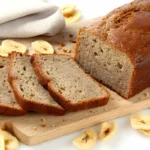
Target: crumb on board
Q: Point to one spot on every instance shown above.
(52, 125)
(34, 128)
(146, 94)
(59, 48)
(72, 41)
(91, 111)
(70, 35)
(140, 98)
(66, 50)
(62, 44)
(43, 125)
(43, 120)
(64, 120)
(105, 109)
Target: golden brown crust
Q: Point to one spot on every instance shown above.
(9, 111)
(63, 101)
(28, 104)
(127, 29)
(79, 106)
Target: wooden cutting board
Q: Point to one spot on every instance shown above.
(31, 129)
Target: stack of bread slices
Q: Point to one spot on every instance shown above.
(51, 84)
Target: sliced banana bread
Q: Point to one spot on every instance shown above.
(28, 91)
(116, 49)
(67, 82)
(8, 104)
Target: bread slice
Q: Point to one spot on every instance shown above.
(28, 91)
(67, 82)
(8, 104)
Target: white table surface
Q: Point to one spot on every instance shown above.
(125, 138)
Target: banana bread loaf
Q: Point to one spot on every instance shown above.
(116, 49)
(67, 82)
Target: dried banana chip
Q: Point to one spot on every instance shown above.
(11, 142)
(68, 9)
(86, 140)
(146, 132)
(2, 53)
(8, 46)
(140, 121)
(74, 17)
(107, 129)
(42, 47)
(2, 143)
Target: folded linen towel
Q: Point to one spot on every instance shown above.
(28, 18)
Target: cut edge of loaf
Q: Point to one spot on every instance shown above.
(9, 111)
(130, 91)
(59, 98)
(27, 104)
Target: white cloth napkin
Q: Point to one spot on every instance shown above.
(28, 18)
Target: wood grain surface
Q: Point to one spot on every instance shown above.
(35, 128)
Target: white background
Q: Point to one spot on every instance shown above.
(125, 138)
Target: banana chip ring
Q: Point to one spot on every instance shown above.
(74, 17)
(42, 47)
(11, 141)
(68, 9)
(107, 129)
(140, 121)
(8, 46)
(86, 140)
